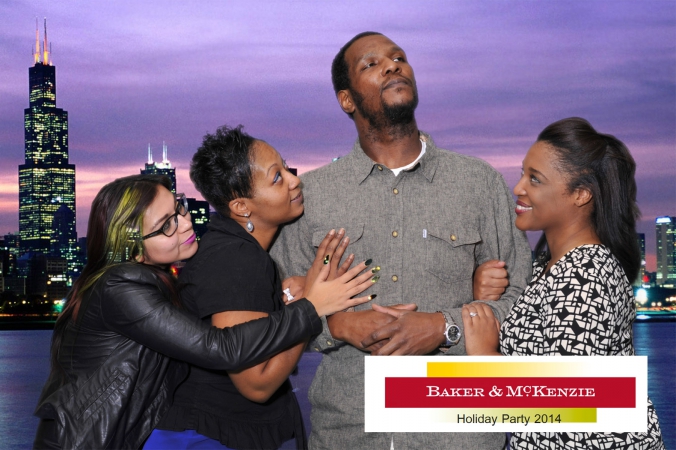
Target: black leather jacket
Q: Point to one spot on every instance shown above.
(120, 357)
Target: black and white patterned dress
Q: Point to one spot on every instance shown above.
(583, 306)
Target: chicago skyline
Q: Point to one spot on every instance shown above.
(490, 77)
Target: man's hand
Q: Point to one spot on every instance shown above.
(413, 333)
(353, 327)
(490, 280)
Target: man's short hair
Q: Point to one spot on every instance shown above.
(339, 67)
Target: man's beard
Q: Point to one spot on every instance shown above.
(390, 116)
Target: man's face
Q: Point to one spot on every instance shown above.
(382, 83)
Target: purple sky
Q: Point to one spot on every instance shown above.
(491, 75)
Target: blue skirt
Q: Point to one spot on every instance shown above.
(190, 440)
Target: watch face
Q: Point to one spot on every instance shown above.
(453, 334)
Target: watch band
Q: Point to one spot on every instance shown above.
(451, 331)
(447, 317)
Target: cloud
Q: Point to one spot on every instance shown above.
(491, 76)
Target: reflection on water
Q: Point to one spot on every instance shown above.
(24, 364)
(657, 341)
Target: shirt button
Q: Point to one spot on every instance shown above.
(329, 343)
(395, 190)
(395, 234)
(395, 278)
(316, 349)
(380, 167)
(453, 238)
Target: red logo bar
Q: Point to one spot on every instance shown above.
(510, 392)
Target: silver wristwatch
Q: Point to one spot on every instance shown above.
(452, 332)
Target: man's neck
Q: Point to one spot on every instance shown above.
(393, 147)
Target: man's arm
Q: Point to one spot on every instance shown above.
(504, 242)
(415, 333)
(293, 252)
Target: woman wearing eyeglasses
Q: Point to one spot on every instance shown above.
(117, 345)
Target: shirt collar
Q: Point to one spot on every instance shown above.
(218, 222)
(415, 162)
(362, 165)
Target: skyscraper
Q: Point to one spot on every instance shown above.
(641, 273)
(199, 215)
(46, 179)
(160, 168)
(665, 228)
(63, 243)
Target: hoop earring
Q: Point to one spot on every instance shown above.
(249, 224)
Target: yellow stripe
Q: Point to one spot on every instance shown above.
(506, 369)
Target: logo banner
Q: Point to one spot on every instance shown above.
(516, 393)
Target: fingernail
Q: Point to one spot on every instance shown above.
(376, 278)
(326, 259)
(368, 262)
(372, 296)
(341, 231)
(375, 269)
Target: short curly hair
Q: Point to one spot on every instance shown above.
(221, 167)
(339, 68)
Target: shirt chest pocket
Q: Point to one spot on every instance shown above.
(450, 253)
(354, 231)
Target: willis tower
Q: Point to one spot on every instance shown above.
(46, 179)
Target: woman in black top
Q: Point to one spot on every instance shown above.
(249, 185)
(116, 347)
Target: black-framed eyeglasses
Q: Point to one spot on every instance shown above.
(170, 225)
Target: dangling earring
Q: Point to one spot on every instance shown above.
(249, 223)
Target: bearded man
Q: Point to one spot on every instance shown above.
(427, 218)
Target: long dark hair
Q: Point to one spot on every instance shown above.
(113, 237)
(602, 164)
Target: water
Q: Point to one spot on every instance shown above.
(657, 341)
(24, 364)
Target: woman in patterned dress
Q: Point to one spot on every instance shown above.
(578, 187)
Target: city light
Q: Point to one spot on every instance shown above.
(642, 296)
(59, 304)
